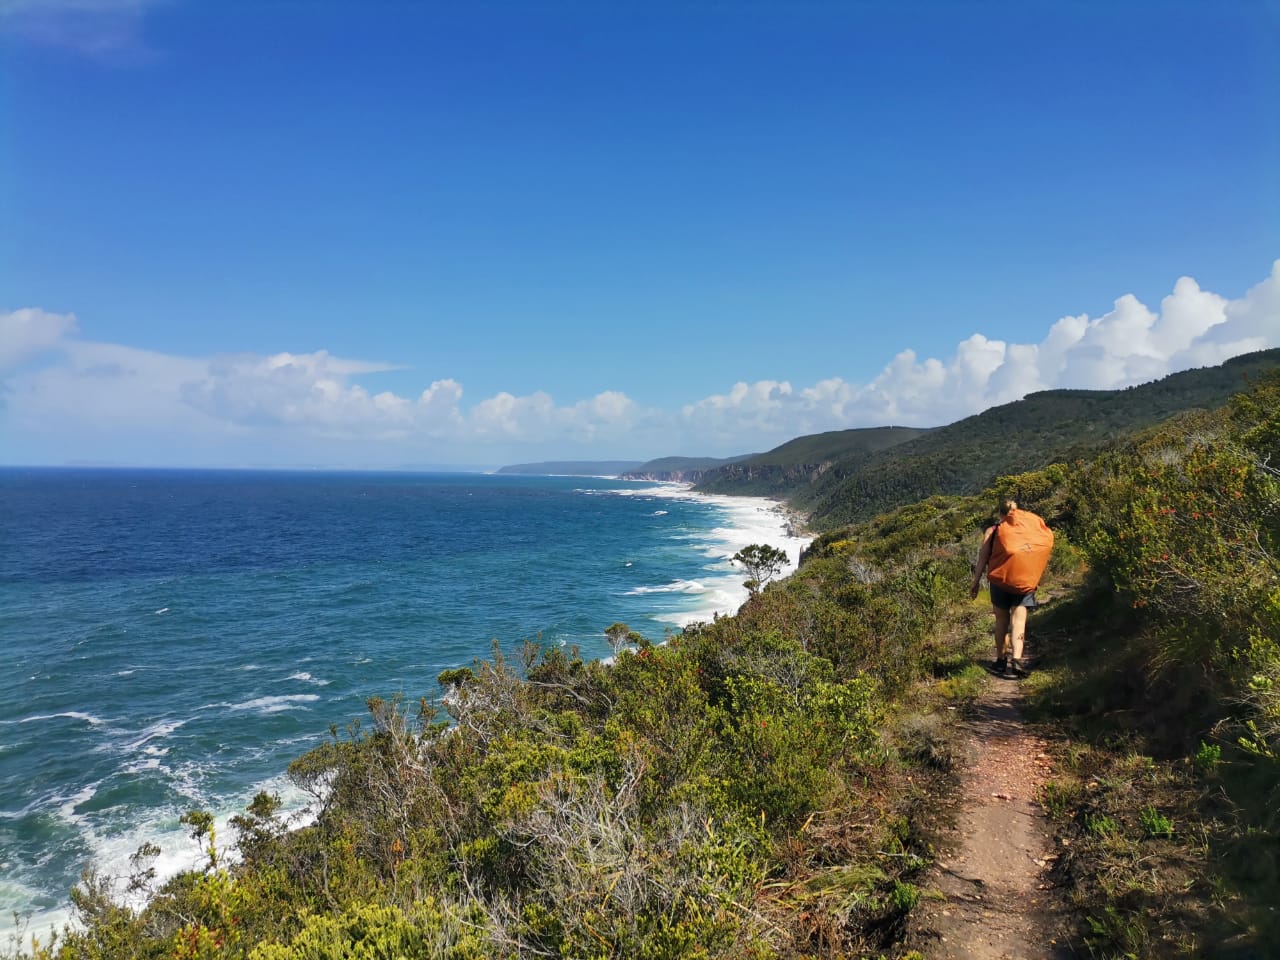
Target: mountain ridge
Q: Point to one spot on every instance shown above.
(840, 476)
(967, 455)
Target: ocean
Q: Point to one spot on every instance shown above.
(171, 640)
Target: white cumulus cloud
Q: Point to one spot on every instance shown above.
(312, 389)
(26, 334)
(1129, 344)
(67, 392)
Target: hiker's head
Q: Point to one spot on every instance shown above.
(1007, 507)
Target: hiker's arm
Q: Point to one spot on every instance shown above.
(984, 557)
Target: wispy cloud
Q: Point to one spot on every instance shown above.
(107, 31)
(58, 384)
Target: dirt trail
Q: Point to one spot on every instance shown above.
(993, 866)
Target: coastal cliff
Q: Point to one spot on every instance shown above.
(773, 784)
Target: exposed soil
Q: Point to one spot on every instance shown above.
(993, 867)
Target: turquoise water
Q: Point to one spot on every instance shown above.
(172, 639)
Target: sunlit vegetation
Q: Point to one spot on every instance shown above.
(738, 791)
(854, 475)
(799, 463)
(1166, 672)
(765, 785)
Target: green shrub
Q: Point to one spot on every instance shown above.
(1155, 823)
(1059, 798)
(1100, 824)
(1184, 526)
(1118, 933)
(1208, 757)
(370, 931)
(904, 896)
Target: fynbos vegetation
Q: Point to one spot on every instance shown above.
(761, 786)
(692, 799)
(1167, 667)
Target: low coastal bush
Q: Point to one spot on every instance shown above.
(1169, 678)
(549, 806)
(755, 787)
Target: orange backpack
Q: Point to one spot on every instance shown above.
(1020, 550)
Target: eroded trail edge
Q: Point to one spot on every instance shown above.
(992, 872)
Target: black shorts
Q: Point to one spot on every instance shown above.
(1002, 599)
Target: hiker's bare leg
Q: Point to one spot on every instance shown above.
(1018, 629)
(1002, 631)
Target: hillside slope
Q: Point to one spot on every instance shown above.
(965, 456)
(804, 460)
(680, 469)
(775, 784)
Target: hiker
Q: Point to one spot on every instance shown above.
(1014, 553)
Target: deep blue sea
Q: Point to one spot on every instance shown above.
(170, 640)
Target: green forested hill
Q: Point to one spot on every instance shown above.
(965, 456)
(685, 469)
(801, 462)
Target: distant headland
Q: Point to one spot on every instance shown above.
(665, 469)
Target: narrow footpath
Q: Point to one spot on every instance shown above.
(993, 865)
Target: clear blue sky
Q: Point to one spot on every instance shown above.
(241, 232)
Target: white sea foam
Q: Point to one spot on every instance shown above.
(313, 737)
(162, 610)
(111, 849)
(143, 764)
(69, 714)
(15, 900)
(659, 513)
(66, 806)
(748, 520)
(676, 586)
(136, 741)
(305, 677)
(275, 704)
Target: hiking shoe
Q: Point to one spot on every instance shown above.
(999, 666)
(1017, 668)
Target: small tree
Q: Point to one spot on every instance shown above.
(619, 635)
(762, 562)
